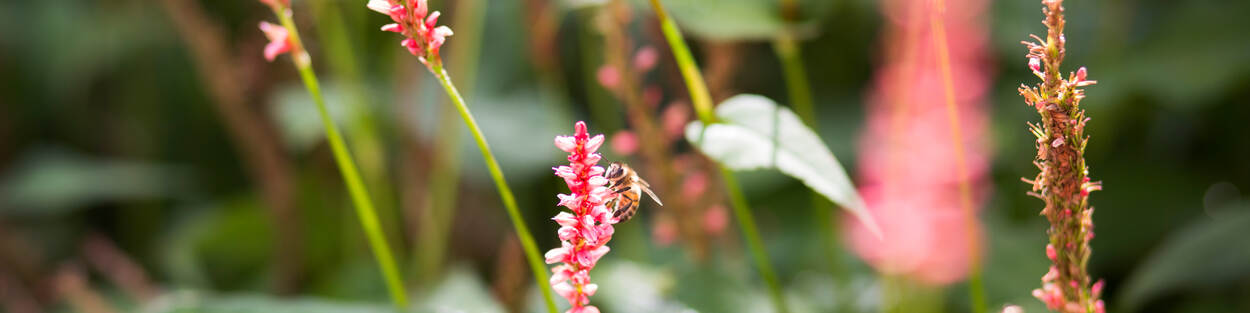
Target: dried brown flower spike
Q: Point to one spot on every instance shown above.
(1063, 182)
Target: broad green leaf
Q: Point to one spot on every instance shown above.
(741, 19)
(191, 301)
(1204, 253)
(51, 181)
(755, 133)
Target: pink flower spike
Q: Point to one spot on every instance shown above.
(279, 40)
(587, 227)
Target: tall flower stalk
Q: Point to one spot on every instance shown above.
(285, 38)
(701, 99)
(976, 287)
(585, 233)
(423, 38)
(1063, 183)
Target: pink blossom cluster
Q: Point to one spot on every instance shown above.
(279, 37)
(413, 20)
(585, 232)
(279, 40)
(907, 157)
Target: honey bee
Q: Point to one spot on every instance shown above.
(625, 183)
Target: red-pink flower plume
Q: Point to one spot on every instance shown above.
(907, 167)
(585, 232)
(412, 18)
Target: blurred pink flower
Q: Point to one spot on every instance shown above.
(624, 143)
(608, 77)
(279, 40)
(674, 118)
(585, 232)
(907, 158)
(413, 20)
(645, 59)
(282, 3)
(694, 185)
(663, 231)
(715, 220)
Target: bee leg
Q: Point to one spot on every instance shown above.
(620, 189)
(623, 215)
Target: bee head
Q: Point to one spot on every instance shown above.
(614, 171)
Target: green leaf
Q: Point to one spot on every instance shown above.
(1208, 252)
(755, 133)
(191, 301)
(742, 19)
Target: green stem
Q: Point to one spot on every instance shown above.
(505, 193)
(699, 95)
(797, 85)
(444, 179)
(702, 101)
(355, 186)
(976, 287)
(742, 212)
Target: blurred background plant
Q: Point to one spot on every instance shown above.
(151, 160)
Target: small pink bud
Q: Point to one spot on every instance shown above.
(565, 291)
(1100, 307)
(1012, 309)
(557, 255)
(1080, 74)
(1050, 253)
(380, 6)
(392, 27)
(279, 40)
(566, 143)
(1096, 290)
(1058, 142)
(1035, 64)
(594, 143)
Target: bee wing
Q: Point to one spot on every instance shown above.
(642, 184)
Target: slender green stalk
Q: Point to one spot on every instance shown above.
(505, 193)
(362, 134)
(702, 101)
(444, 179)
(699, 95)
(742, 212)
(355, 185)
(800, 91)
(976, 287)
